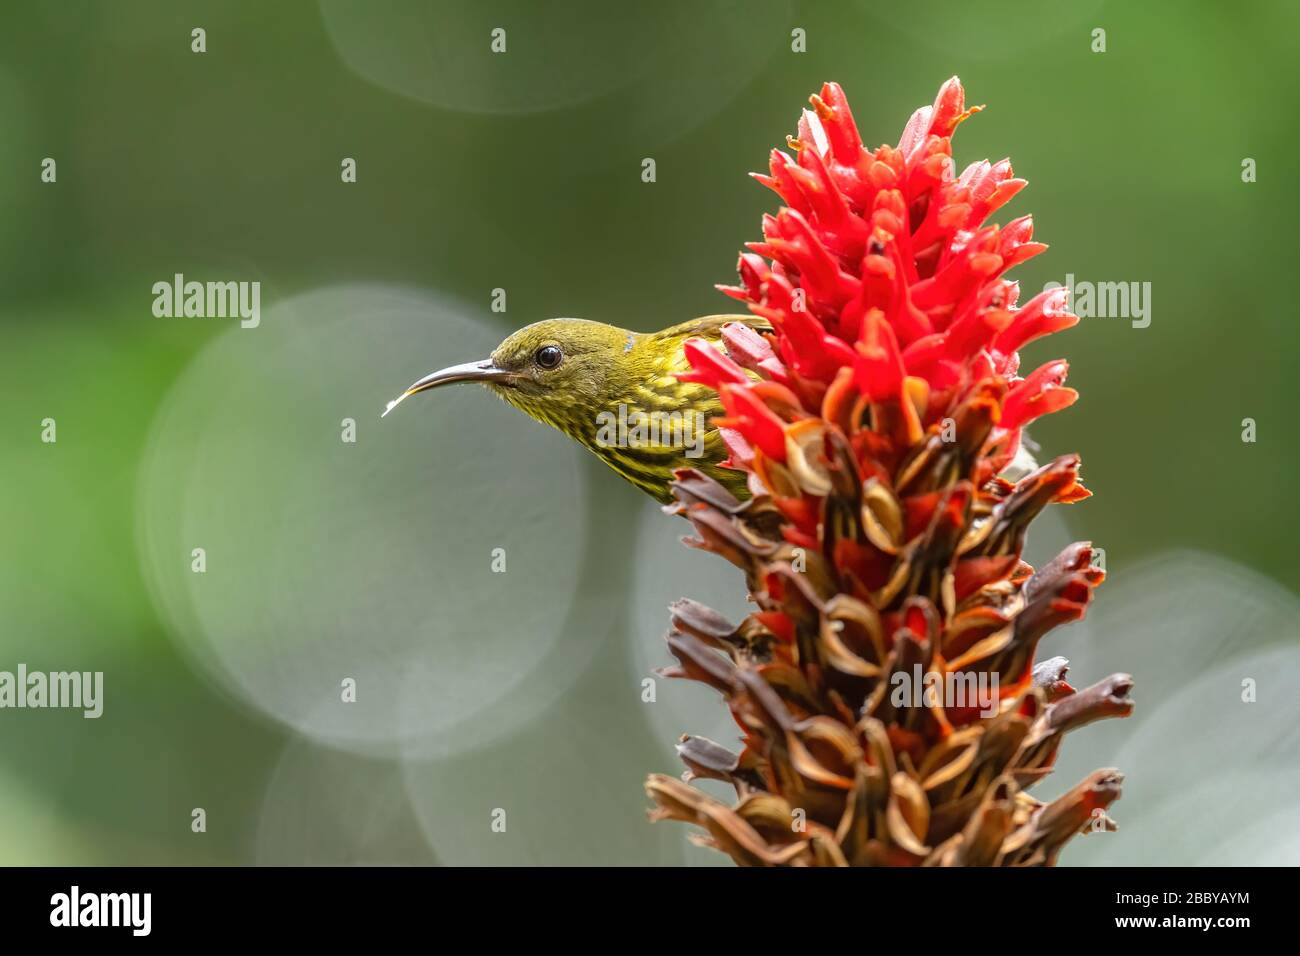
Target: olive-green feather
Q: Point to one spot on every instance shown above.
(605, 369)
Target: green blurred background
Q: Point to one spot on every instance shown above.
(521, 171)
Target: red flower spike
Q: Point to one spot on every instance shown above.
(874, 422)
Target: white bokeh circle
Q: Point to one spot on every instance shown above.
(325, 807)
(649, 62)
(328, 560)
(567, 791)
(1204, 767)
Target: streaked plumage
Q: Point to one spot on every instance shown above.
(601, 368)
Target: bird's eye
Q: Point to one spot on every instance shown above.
(548, 356)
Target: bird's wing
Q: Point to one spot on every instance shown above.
(710, 326)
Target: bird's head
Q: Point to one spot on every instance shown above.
(558, 371)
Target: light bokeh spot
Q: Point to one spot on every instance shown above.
(368, 561)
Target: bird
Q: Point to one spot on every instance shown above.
(615, 392)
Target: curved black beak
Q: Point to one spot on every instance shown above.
(482, 371)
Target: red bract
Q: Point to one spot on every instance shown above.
(883, 261)
(876, 422)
